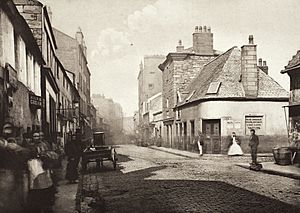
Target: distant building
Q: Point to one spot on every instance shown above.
(111, 113)
(293, 109)
(231, 93)
(149, 81)
(128, 125)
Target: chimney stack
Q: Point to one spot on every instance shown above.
(180, 47)
(263, 66)
(79, 36)
(249, 68)
(203, 41)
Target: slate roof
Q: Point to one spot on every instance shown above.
(226, 68)
(294, 63)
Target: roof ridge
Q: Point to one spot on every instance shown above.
(219, 56)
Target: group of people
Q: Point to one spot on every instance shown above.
(234, 145)
(42, 161)
(35, 155)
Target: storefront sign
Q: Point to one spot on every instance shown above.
(254, 122)
(36, 102)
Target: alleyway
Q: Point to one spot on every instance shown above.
(153, 181)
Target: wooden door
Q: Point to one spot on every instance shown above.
(212, 133)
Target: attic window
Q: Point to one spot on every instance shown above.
(213, 88)
(188, 98)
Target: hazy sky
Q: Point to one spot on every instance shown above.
(111, 27)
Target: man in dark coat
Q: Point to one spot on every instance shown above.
(253, 143)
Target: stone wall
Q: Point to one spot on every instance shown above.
(31, 10)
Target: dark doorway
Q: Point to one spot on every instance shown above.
(212, 131)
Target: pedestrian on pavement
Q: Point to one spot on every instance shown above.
(200, 142)
(253, 143)
(235, 149)
(73, 152)
(42, 191)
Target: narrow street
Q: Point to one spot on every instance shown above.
(148, 180)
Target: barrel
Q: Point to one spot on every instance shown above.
(282, 156)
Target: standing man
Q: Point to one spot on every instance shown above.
(253, 143)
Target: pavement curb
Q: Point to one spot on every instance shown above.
(192, 153)
(272, 172)
(170, 152)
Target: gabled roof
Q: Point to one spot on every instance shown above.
(225, 71)
(293, 64)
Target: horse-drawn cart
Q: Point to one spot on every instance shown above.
(99, 152)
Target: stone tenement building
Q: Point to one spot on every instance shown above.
(149, 82)
(181, 67)
(231, 93)
(38, 19)
(72, 53)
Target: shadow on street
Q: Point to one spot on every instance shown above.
(137, 192)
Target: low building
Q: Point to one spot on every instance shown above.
(231, 94)
(293, 70)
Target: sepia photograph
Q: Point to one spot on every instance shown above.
(149, 106)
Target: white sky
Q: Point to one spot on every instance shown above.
(155, 26)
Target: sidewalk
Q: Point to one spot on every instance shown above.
(65, 198)
(275, 169)
(189, 154)
(268, 167)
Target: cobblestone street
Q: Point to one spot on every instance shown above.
(153, 181)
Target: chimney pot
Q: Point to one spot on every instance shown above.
(264, 63)
(209, 29)
(251, 39)
(200, 29)
(196, 29)
(260, 62)
(204, 29)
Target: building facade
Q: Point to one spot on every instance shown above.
(39, 21)
(232, 93)
(149, 81)
(180, 68)
(20, 97)
(293, 109)
(72, 54)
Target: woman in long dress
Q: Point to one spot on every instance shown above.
(235, 148)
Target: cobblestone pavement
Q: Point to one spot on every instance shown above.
(153, 181)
